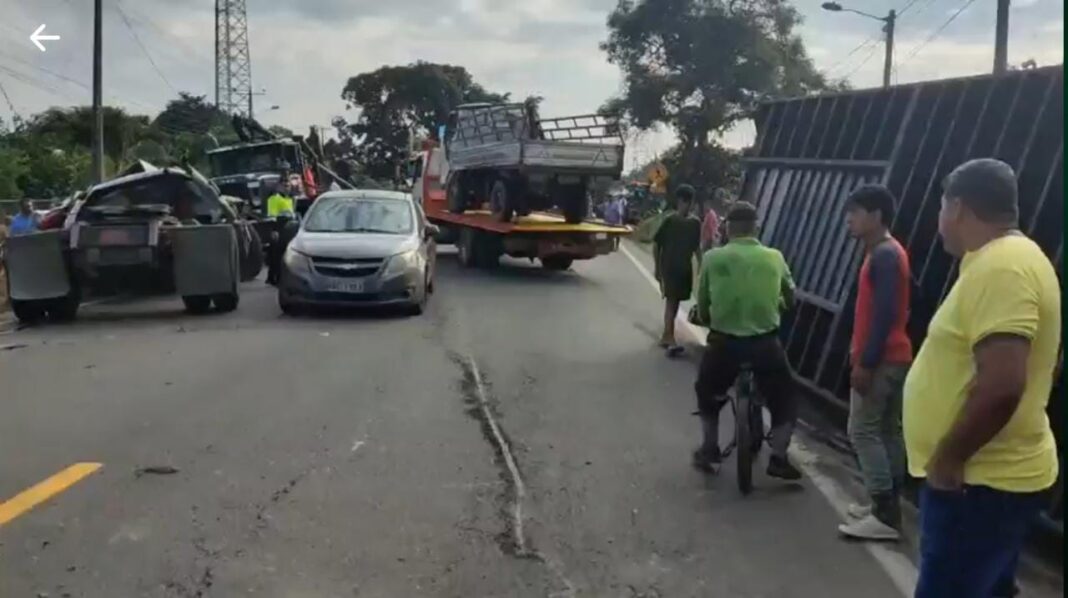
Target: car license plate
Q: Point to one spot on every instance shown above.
(348, 286)
(113, 236)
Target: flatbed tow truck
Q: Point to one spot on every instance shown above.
(481, 238)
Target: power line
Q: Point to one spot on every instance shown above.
(936, 32)
(868, 57)
(190, 51)
(873, 39)
(137, 38)
(845, 58)
(10, 105)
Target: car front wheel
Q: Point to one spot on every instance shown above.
(226, 302)
(197, 304)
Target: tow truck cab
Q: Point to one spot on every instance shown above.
(250, 170)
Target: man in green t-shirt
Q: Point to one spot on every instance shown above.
(675, 246)
(742, 291)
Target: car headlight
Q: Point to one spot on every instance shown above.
(402, 262)
(296, 262)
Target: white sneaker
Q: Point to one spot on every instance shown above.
(859, 511)
(869, 528)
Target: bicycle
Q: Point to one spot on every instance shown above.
(749, 430)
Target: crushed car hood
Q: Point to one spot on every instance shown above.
(352, 245)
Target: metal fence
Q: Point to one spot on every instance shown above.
(812, 152)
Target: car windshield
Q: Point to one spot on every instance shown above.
(258, 158)
(368, 215)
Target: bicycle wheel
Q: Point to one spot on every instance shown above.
(744, 433)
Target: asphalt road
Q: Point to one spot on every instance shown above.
(522, 438)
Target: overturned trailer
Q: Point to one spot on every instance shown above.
(812, 152)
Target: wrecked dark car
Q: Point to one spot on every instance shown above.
(162, 230)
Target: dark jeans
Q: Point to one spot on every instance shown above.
(720, 365)
(970, 540)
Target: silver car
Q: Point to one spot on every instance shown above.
(359, 248)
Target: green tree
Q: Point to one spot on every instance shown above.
(394, 102)
(13, 166)
(73, 127)
(280, 131)
(190, 113)
(702, 66)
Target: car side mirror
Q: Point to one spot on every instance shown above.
(291, 227)
(431, 231)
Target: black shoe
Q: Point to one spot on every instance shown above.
(707, 461)
(780, 467)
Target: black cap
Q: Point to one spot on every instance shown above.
(686, 192)
(742, 211)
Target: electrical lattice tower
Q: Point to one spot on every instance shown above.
(233, 64)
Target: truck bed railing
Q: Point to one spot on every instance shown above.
(491, 124)
(586, 127)
(507, 123)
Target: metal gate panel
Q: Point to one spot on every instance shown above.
(813, 152)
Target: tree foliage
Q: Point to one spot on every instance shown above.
(190, 113)
(48, 154)
(394, 102)
(701, 66)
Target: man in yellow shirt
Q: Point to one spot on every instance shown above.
(975, 399)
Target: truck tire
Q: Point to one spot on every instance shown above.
(456, 195)
(226, 302)
(576, 206)
(556, 262)
(197, 304)
(28, 312)
(477, 249)
(65, 309)
(502, 200)
(252, 263)
(465, 248)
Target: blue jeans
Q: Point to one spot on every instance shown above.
(874, 428)
(970, 540)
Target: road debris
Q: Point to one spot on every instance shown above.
(13, 346)
(156, 470)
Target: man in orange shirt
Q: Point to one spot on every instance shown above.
(880, 354)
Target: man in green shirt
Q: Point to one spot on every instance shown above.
(742, 291)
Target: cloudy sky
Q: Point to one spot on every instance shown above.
(304, 50)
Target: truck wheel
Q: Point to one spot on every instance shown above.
(456, 195)
(253, 262)
(65, 309)
(502, 201)
(28, 312)
(226, 302)
(465, 248)
(556, 262)
(576, 207)
(197, 304)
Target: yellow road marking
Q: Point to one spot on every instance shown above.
(42, 491)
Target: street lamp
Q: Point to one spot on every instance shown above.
(888, 26)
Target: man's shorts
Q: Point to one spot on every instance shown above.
(678, 285)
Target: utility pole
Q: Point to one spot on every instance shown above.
(98, 92)
(1001, 38)
(888, 63)
(889, 22)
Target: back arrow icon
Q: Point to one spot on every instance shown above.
(36, 37)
